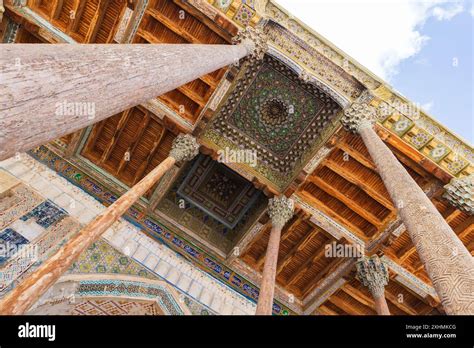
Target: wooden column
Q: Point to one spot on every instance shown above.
(280, 210)
(373, 273)
(48, 91)
(448, 263)
(2, 10)
(21, 298)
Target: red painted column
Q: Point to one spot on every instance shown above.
(280, 210)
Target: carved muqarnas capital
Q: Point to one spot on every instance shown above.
(185, 148)
(255, 39)
(360, 114)
(280, 210)
(373, 273)
(459, 192)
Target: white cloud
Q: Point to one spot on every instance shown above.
(441, 13)
(380, 34)
(427, 106)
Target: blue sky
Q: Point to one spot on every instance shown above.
(423, 48)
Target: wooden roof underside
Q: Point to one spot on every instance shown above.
(345, 186)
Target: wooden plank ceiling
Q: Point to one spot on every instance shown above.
(129, 145)
(168, 21)
(91, 21)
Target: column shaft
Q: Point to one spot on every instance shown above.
(267, 288)
(48, 91)
(448, 263)
(381, 305)
(21, 298)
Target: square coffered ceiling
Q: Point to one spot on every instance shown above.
(220, 206)
(272, 111)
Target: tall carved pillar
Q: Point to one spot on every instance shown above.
(460, 193)
(280, 210)
(373, 273)
(448, 263)
(38, 282)
(68, 87)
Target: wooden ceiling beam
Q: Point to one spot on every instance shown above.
(177, 29)
(94, 135)
(347, 201)
(400, 305)
(297, 248)
(77, 11)
(57, 7)
(218, 22)
(304, 267)
(358, 295)
(133, 145)
(151, 154)
(404, 253)
(113, 141)
(356, 155)
(96, 21)
(450, 214)
(341, 304)
(359, 182)
(326, 311)
(152, 39)
(465, 227)
(328, 211)
(328, 269)
(286, 232)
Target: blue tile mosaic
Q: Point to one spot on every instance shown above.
(10, 240)
(45, 214)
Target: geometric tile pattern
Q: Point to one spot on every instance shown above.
(46, 214)
(272, 111)
(100, 257)
(218, 190)
(116, 307)
(20, 202)
(110, 287)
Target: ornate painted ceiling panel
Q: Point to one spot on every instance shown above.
(213, 202)
(277, 115)
(219, 191)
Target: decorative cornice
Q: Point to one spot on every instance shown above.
(409, 280)
(280, 210)
(255, 39)
(460, 193)
(373, 273)
(327, 223)
(185, 148)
